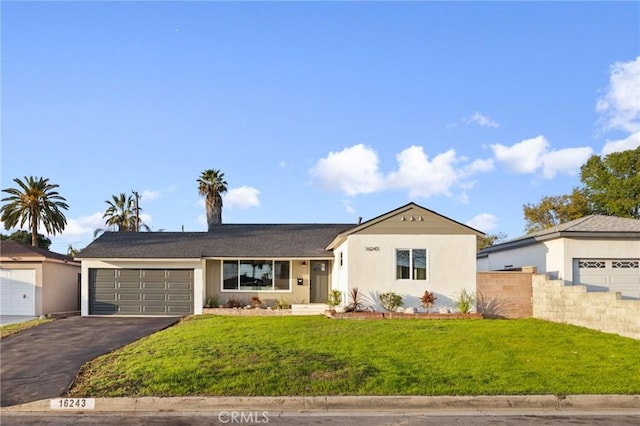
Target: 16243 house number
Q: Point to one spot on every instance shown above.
(73, 403)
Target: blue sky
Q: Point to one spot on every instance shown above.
(315, 111)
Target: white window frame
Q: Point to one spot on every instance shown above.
(272, 289)
(411, 271)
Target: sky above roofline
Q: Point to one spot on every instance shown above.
(317, 112)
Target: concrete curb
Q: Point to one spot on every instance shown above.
(352, 403)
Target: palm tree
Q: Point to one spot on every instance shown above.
(35, 201)
(120, 214)
(212, 185)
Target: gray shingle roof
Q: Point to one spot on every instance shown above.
(228, 240)
(594, 223)
(14, 249)
(593, 226)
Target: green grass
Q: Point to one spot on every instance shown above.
(9, 329)
(209, 355)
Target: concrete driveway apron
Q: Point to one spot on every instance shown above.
(41, 362)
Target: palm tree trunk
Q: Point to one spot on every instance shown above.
(34, 231)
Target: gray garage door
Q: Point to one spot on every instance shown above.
(141, 291)
(617, 275)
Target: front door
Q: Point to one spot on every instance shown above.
(319, 285)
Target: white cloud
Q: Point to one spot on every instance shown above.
(484, 222)
(481, 120)
(148, 195)
(352, 171)
(567, 161)
(522, 157)
(620, 105)
(478, 166)
(83, 227)
(531, 155)
(348, 207)
(355, 171)
(243, 197)
(631, 142)
(424, 178)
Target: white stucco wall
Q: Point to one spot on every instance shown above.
(555, 257)
(370, 262)
(534, 255)
(196, 265)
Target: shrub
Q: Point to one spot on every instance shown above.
(390, 301)
(213, 302)
(334, 299)
(256, 302)
(233, 302)
(282, 303)
(465, 301)
(355, 305)
(428, 299)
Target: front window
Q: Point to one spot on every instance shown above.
(256, 275)
(411, 264)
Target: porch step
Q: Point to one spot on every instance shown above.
(309, 309)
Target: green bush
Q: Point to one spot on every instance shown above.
(390, 301)
(465, 301)
(334, 299)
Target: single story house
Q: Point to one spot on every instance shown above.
(35, 281)
(601, 252)
(407, 251)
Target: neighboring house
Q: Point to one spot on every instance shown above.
(601, 252)
(35, 281)
(407, 251)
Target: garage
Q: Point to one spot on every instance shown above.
(140, 291)
(18, 291)
(617, 275)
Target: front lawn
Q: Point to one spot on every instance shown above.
(232, 356)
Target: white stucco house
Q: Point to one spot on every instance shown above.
(601, 252)
(408, 250)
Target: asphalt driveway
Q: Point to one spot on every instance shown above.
(41, 362)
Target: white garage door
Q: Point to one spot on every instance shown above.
(618, 275)
(18, 292)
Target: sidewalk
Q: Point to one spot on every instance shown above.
(630, 403)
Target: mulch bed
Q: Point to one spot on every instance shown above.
(398, 315)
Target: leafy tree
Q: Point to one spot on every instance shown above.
(24, 237)
(611, 186)
(212, 185)
(554, 210)
(37, 202)
(612, 183)
(489, 240)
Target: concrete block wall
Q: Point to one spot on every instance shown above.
(505, 294)
(603, 311)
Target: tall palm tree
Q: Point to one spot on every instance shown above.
(212, 185)
(120, 214)
(35, 201)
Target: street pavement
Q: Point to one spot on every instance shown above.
(620, 410)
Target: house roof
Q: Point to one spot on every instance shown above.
(434, 222)
(15, 251)
(593, 226)
(227, 240)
